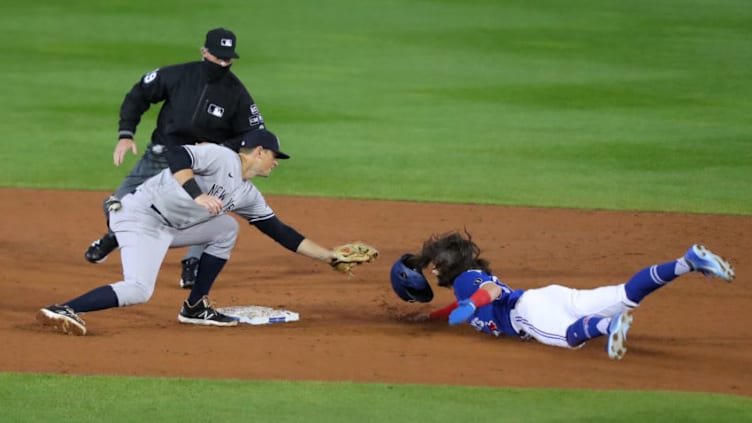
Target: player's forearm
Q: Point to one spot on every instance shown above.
(483, 296)
(494, 291)
(183, 176)
(443, 312)
(313, 250)
(185, 179)
(284, 234)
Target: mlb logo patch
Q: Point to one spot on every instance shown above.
(216, 111)
(225, 42)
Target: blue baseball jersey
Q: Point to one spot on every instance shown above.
(492, 318)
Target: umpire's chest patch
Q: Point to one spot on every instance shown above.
(215, 110)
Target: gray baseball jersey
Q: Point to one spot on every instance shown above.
(161, 215)
(218, 173)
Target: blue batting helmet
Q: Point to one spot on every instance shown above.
(408, 281)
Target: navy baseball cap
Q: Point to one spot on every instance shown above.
(264, 138)
(221, 43)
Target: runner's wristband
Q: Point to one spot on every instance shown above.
(480, 298)
(191, 187)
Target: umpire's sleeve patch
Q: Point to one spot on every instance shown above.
(151, 76)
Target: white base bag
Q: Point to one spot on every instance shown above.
(258, 315)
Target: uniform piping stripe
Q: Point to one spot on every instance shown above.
(260, 218)
(190, 153)
(654, 275)
(530, 328)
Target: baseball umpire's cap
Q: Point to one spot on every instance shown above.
(221, 43)
(264, 138)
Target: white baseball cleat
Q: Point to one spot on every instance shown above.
(709, 264)
(617, 335)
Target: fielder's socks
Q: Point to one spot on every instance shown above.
(649, 279)
(96, 299)
(583, 329)
(208, 270)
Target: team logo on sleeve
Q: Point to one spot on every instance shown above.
(151, 76)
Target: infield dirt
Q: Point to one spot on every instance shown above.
(694, 335)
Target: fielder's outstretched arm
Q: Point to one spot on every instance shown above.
(292, 239)
(313, 250)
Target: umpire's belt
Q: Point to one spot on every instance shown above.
(157, 148)
(164, 219)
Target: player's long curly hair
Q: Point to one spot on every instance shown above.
(452, 253)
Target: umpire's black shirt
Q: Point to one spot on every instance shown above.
(202, 102)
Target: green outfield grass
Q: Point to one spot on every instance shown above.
(641, 105)
(45, 398)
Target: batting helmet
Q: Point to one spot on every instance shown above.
(408, 281)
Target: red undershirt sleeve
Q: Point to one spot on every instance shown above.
(443, 312)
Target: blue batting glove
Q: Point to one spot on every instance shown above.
(464, 311)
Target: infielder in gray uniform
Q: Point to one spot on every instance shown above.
(201, 101)
(186, 204)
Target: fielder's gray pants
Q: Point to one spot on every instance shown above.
(152, 162)
(144, 239)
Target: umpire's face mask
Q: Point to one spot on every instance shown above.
(215, 71)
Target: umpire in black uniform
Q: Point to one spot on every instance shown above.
(202, 101)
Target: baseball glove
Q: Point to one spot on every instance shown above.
(349, 255)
